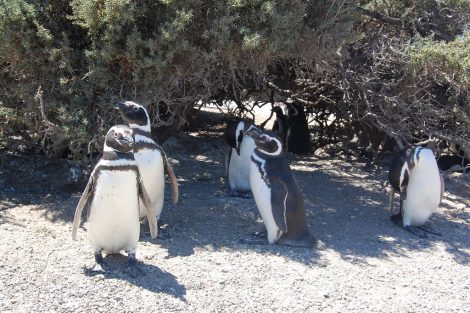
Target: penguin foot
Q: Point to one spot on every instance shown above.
(416, 231)
(303, 242)
(240, 194)
(132, 268)
(429, 230)
(98, 267)
(246, 195)
(396, 219)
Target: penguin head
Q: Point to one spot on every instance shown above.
(119, 138)
(266, 142)
(134, 114)
(234, 132)
(230, 133)
(423, 156)
(291, 109)
(279, 112)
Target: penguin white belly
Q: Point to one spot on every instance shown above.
(150, 164)
(114, 217)
(262, 195)
(423, 195)
(239, 167)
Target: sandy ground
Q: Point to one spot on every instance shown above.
(360, 263)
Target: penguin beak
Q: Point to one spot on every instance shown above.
(119, 105)
(127, 139)
(253, 132)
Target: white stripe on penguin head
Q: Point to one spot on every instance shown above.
(279, 146)
(240, 128)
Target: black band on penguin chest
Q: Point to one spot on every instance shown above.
(260, 167)
(138, 131)
(116, 155)
(141, 145)
(103, 168)
(118, 168)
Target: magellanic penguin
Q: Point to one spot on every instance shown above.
(113, 193)
(149, 155)
(276, 192)
(415, 175)
(238, 158)
(292, 126)
(280, 124)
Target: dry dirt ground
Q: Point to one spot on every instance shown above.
(361, 261)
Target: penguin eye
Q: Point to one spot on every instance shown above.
(135, 109)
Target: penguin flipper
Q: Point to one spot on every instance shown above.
(443, 187)
(275, 128)
(172, 176)
(151, 212)
(279, 204)
(392, 193)
(404, 180)
(81, 204)
(228, 157)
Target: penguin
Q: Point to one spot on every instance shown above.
(415, 176)
(150, 157)
(238, 157)
(280, 124)
(291, 125)
(112, 193)
(276, 192)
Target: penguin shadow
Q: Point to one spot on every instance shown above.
(453, 217)
(6, 217)
(165, 239)
(150, 277)
(60, 208)
(348, 210)
(221, 228)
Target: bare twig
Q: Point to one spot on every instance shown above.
(39, 98)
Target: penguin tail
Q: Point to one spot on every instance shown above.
(174, 182)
